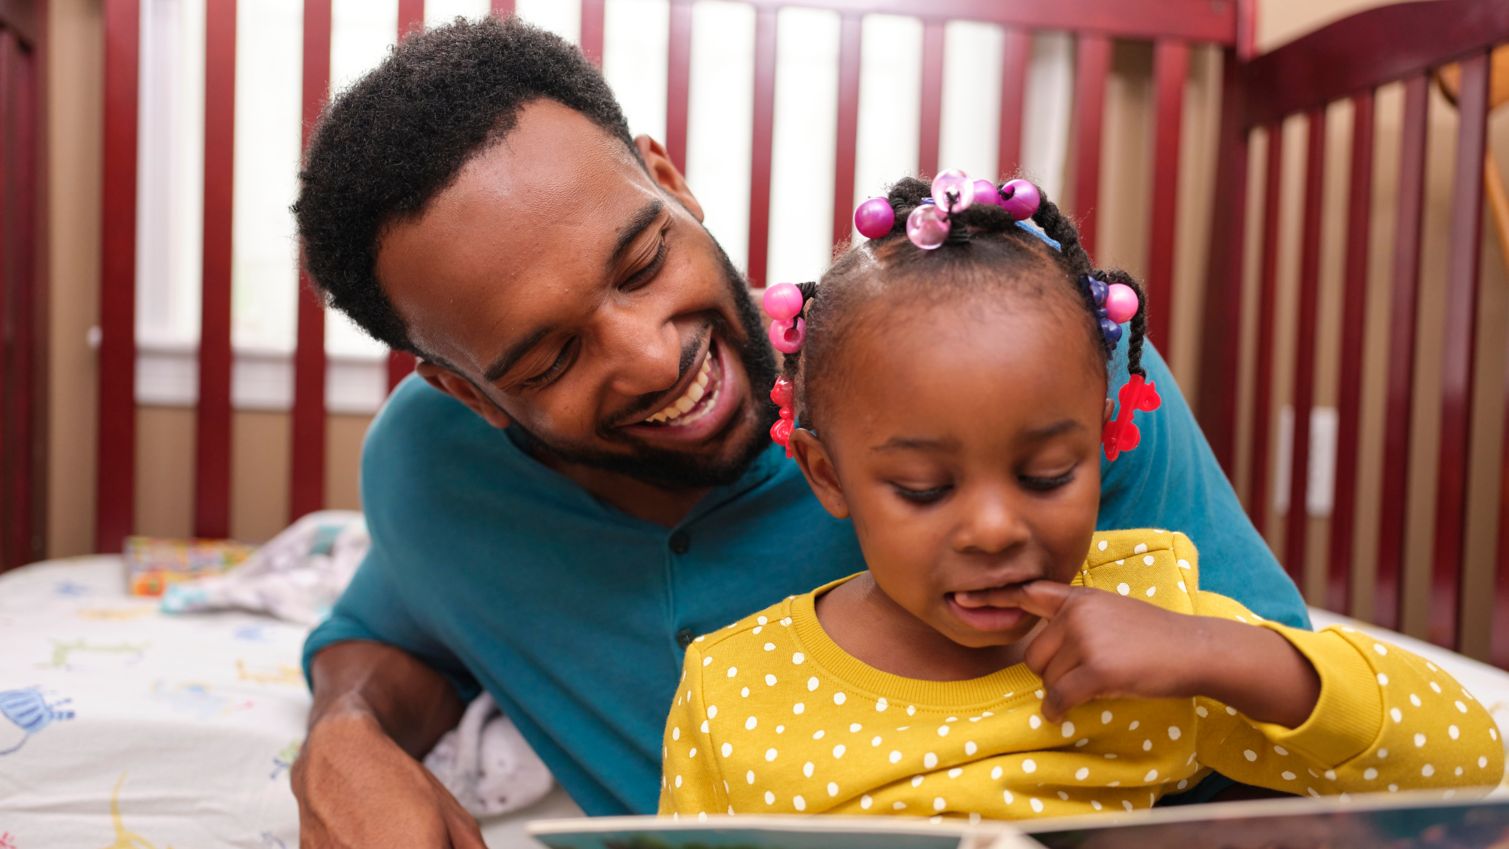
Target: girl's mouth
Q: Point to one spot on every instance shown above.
(973, 609)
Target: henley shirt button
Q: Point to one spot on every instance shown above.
(680, 542)
(684, 637)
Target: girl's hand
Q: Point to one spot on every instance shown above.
(1096, 644)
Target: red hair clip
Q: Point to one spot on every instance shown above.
(1120, 434)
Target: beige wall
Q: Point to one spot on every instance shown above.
(165, 436)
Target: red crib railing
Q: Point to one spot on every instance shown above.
(1350, 60)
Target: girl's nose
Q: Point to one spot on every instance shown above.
(991, 524)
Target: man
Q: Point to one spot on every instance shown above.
(581, 481)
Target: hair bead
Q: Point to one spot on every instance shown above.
(1121, 303)
(788, 336)
(874, 218)
(927, 227)
(783, 301)
(1020, 199)
(953, 191)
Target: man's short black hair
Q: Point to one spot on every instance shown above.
(397, 137)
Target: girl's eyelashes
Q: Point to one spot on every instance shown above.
(929, 495)
(1047, 484)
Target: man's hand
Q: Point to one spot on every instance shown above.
(1096, 644)
(357, 789)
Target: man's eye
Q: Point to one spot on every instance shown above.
(1047, 484)
(647, 272)
(562, 362)
(930, 495)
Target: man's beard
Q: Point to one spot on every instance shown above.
(669, 469)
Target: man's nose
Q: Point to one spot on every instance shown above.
(643, 349)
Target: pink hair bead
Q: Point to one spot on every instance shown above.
(957, 184)
(926, 227)
(786, 336)
(986, 193)
(783, 301)
(1121, 303)
(1020, 199)
(874, 218)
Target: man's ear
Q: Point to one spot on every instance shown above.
(462, 390)
(817, 467)
(666, 174)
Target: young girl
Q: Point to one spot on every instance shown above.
(999, 657)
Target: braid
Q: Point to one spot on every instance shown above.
(1139, 320)
(791, 364)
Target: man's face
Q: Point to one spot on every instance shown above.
(575, 294)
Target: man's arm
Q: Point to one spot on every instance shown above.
(365, 681)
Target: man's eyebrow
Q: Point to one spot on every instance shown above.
(640, 222)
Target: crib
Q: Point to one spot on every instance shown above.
(1256, 319)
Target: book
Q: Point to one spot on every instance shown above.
(153, 563)
(1419, 820)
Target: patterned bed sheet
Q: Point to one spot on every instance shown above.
(123, 727)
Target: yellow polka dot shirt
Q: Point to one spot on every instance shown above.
(773, 717)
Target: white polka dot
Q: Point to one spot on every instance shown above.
(770, 755)
(911, 710)
(895, 757)
(1147, 745)
(1096, 805)
(770, 647)
(1034, 722)
(1427, 770)
(1330, 775)
(1126, 804)
(675, 732)
(1383, 754)
(692, 753)
(1106, 717)
(1184, 564)
(854, 726)
(1396, 714)
(799, 803)
(677, 782)
(1183, 783)
(733, 671)
(1230, 711)
(1081, 742)
(750, 723)
(744, 692)
(995, 774)
(728, 749)
(1393, 788)
(939, 804)
(1082, 773)
(769, 798)
(1148, 560)
(1436, 687)
(1037, 805)
(1174, 732)
(818, 734)
(1458, 771)
(757, 630)
(839, 698)
(1370, 774)
(943, 731)
(930, 760)
(1382, 680)
(1281, 751)
(1183, 588)
(707, 661)
(1414, 700)
(1380, 648)
(838, 751)
(832, 789)
(1102, 545)
(769, 680)
(1493, 733)
(1201, 712)
(1152, 775)
(898, 806)
(1482, 762)
(1419, 741)
(1136, 723)
(1140, 548)
(812, 683)
(1029, 766)
(1250, 755)
(1123, 589)
(881, 704)
(1067, 729)
(970, 748)
(807, 769)
(1287, 775)
(749, 776)
(798, 708)
(1461, 708)
(875, 741)
(797, 658)
(780, 729)
(786, 620)
(865, 802)
(955, 772)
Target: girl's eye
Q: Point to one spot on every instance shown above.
(647, 273)
(1047, 484)
(562, 362)
(922, 496)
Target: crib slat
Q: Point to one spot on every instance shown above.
(1500, 635)
(1459, 364)
(678, 81)
(502, 8)
(116, 463)
(410, 17)
(26, 506)
(760, 149)
(11, 444)
(930, 125)
(1262, 386)
(1170, 66)
(1092, 64)
(307, 454)
(1404, 304)
(850, 47)
(1297, 526)
(593, 26)
(1016, 49)
(1349, 400)
(213, 426)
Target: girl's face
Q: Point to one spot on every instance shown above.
(963, 439)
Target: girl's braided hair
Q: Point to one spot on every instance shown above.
(985, 244)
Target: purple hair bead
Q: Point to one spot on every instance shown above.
(986, 193)
(788, 336)
(1121, 303)
(1097, 291)
(1111, 329)
(874, 218)
(783, 301)
(926, 227)
(953, 190)
(1020, 199)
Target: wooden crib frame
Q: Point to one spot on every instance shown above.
(1357, 55)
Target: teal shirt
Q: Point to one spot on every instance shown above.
(504, 575)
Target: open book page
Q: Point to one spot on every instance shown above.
(775, 832)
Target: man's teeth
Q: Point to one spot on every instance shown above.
(694, 392)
